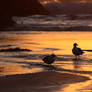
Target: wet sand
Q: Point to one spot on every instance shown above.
(48, 81)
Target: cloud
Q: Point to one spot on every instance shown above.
(49, 1)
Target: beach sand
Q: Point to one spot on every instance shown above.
(48, 81)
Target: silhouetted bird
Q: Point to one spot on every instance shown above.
(77, 51)
(49, 59)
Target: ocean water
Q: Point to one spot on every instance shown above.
(51, 23)
(44, 43)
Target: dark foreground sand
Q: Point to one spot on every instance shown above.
(48, 81)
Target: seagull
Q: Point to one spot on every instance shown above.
(77, 51)
(49, 59)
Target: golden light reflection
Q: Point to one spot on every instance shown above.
(60, 40)
(14, 68)
(76, 65)
(76, 87)
(63, 41)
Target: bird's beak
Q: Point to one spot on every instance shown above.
(76, 44)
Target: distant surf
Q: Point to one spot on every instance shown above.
(51, 23)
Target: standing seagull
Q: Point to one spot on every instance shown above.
(77, 51)
(49, 59)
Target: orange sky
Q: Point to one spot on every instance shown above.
(48, 1)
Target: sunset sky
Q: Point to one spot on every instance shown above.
(49, 1)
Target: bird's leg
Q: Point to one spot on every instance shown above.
(75, 57)
(78, 57)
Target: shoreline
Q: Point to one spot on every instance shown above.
(47, 81)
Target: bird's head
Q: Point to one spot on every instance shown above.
(53, 55)
(75, 44)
